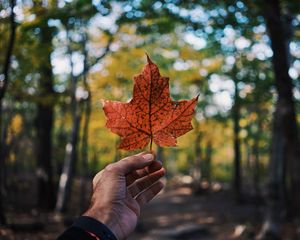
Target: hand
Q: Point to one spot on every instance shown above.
(122, 188)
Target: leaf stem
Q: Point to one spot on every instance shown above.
(151, 144)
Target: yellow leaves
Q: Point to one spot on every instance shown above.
(103, 143)
(252, 116)
(188, 53)
(213, 64)
(128, 29)
(243, 122)
(15, 127)
(16, 124)
(116, 73)
(98, 39)
(12, 157)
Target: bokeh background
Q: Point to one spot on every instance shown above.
(235, 176)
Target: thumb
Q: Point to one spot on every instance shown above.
(135, 162)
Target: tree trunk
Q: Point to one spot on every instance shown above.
(84, 153)
(9, 52)
(272, 225)
(3, 87)
(66, 178)
(256, 164)
(285, 147)
(208, 154)
(248, 156)
(236, 143)
(44, 125)
(85, 135)
(198, 164)
(2, 174)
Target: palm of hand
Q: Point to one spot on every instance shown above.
(124, 207)
(121, 189)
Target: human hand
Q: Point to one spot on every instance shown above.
(122, 188)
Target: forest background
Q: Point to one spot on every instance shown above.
(59, 58)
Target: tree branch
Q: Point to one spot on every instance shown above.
(9, 51)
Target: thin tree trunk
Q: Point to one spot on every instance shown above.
(285, 147)
(94, 158)
(3, 87)
(9, 52)
(66, 178)
(2, 174)
(255, 153)
(208, 155)
(84, 154)
(198, 165)
(236, 143)
(85, 135)
(248, 157)
(44, 126)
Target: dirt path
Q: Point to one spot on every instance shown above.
(176, 214)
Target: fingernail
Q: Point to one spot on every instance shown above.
(148, 157)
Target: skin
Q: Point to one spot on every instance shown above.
(122, 188)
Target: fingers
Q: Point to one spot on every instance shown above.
(132, 163)
(133, 167)
(149, 193)
(145, 182)
(137, 174)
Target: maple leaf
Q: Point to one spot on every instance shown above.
(151, 115)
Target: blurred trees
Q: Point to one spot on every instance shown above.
(285, 154)
(4, 79)
(71, 54)
(45, 104)
(75, 28)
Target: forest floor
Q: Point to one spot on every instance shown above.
(177, 213)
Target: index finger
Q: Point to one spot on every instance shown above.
(135, 162)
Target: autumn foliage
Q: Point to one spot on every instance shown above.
(151, 115)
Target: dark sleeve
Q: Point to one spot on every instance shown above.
(82, 229)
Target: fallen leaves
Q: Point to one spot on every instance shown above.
(151, 115)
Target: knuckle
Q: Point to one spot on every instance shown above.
(112, 168)
(97, 178)
(133, 159)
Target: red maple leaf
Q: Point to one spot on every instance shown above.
(151, 115)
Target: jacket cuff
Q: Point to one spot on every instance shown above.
(95, 227)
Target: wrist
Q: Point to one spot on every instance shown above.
(94, 228)
(104, 216)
